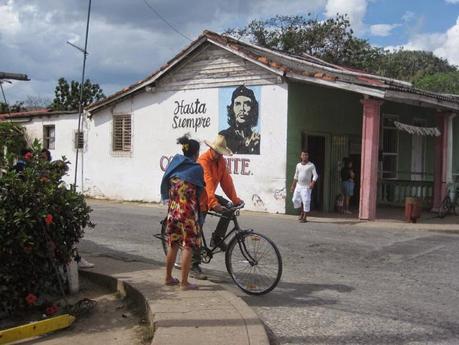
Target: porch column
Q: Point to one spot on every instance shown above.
(370, 157)
(441, 161)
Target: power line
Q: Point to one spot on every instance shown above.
(166, 21)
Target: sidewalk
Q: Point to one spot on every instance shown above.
(210, 315)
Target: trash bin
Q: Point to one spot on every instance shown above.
(412, 209)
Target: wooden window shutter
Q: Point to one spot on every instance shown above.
(122, 133)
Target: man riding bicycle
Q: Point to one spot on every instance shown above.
(215, 173)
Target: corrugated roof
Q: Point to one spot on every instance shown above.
(303, 68)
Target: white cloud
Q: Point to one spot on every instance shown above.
(355, 9)
(9, 21)
(127, 41)
(382, 29)
(408, 16)
(445, 45)
(452, 1)
(450, 47)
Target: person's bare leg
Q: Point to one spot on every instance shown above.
(347, 200)
(186, 265)
(170, 260)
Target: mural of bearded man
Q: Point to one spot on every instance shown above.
(241, 137)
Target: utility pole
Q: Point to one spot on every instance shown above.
(80, 106)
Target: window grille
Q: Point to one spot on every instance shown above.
(79, 140)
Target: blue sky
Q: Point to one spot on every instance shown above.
(128, 41)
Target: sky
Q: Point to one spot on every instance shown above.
(128, 41)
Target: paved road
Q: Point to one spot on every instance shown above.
(342, 284)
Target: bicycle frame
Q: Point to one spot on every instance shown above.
(236, 229)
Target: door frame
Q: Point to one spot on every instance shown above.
(326, 173)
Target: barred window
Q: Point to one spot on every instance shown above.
(390, 147)
(79, 140)
(49, 137)
(121, 132)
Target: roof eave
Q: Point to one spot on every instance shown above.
(377, 93)
(172, 63)
(421, 100)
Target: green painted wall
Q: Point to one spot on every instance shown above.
(324, 111)
(318, 110)
(456, 146)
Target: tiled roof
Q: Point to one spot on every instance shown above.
(303, 68)
(34, 113)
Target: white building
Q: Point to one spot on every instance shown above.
(56, 131)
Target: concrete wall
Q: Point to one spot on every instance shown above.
(456, 147)
(136, 175)
(65, 128)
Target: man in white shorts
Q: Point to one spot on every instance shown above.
(303, 182)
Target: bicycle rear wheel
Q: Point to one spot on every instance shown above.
(178, 260)
(254, 263)
(445, 207)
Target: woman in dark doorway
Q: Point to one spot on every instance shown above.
(347, 183)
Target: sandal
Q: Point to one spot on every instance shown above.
(190, 286)
(172, 282)
(303, 221)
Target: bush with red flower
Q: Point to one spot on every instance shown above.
(41, 221)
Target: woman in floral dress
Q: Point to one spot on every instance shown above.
(182, 185)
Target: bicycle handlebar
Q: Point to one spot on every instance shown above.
(237, 207)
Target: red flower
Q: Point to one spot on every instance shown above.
(51, 310)
(28, 155)
(31, 298)
(49, 219)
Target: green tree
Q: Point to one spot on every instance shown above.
(12, 140)
(447, 82)
(15, 108)
(412, 65)
(67, 96)
(41, 221)
(331, 40)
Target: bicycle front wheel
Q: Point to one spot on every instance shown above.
(444, 207)
(254, 263)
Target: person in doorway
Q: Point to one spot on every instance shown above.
(242, 118)
(182, 185)
(347, 183)
(215, 174)
(303, 182)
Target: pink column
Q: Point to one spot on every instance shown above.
(441, 161)
(370, 153)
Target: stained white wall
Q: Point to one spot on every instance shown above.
(65, 128)
(137, 175)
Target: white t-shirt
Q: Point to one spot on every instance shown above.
(304, 173)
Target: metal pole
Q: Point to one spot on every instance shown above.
(80, 107)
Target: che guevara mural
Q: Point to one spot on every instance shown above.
(239, 118)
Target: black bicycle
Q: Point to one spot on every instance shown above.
(252, 259)
(448, 206)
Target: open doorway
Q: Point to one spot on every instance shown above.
(315, 145)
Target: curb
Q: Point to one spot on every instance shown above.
(125, 290)
(162, 325)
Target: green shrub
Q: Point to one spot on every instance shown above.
(40, 222)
